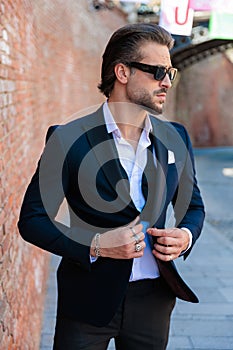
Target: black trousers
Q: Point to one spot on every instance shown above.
(141, 322)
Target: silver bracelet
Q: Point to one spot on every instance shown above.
(97, 245)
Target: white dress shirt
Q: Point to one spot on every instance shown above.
(134, 165)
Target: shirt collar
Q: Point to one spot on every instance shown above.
(112, 126)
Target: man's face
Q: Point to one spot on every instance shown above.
(142, 89)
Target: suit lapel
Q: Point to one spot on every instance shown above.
(156, 175)
(104, 149)
(159, 138)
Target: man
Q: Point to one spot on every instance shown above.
(119, 168)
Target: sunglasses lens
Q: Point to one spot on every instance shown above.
(160, 73)
(172, 74)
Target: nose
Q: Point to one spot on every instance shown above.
(166, 82)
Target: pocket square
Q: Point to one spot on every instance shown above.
(171, 157)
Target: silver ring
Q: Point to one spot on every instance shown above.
(170, 256)
(135, 236)
(138, 247)
(133, 230)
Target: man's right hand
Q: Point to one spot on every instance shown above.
(120, 242)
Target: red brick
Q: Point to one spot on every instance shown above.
(40, 87)
(203, 105)
(6, 242)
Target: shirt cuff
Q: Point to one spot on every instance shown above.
(190, 238)
(93, 259)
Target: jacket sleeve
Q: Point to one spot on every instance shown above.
(187, 202)
(41, 202)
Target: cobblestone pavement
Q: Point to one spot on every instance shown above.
(208, 270)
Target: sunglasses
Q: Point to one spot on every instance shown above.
(159, 72)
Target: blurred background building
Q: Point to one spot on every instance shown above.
(50, 57)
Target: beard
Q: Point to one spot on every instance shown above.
(142, 98)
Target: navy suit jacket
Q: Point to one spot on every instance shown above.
(80, 163)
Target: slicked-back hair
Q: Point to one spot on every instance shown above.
(125, 46)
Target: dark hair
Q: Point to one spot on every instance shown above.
(124, 46)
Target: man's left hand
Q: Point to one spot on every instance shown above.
(170, 242)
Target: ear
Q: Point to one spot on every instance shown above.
(122, 73)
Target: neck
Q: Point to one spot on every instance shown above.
(130, 118)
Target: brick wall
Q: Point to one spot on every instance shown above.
(210, 104)
(50, 55)
(203, 101)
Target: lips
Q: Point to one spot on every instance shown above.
(162, 97)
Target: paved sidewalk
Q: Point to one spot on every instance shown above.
(209, 324)
(208, 270)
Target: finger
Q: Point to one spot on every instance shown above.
(136, 238)
(163, 249)
(138, 229)
(134, 222)
(167, 241)
(157, 232)
(167, 250)
(161, 232)
(163, 257)
(140, 252)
